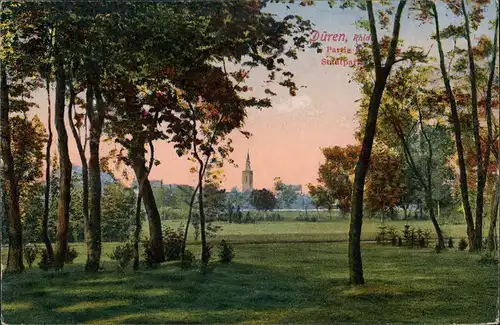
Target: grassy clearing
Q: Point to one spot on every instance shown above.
(326, 230)
(267, 283)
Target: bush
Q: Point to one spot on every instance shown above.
(30, 253)
(387, 235)
(123, 254)
(45, 262)
(188, 259)
(488, 258)
(173, 243)
(71, 254)
(302, 217)
(168, 213)
(462, 244)
(226, 252)
(274, 217)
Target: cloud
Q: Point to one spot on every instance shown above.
(290, 104)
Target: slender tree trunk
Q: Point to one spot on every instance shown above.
(45, 220)
(96, 121)
(481, 171)
(458, 135)
(138, 223)
(83, 160)
(190, 213)
(65, 166)
(492, 241)
(205, 254)
(137, 232)
(492, 245)
(15, 254)
(382, 73)
(146, 192)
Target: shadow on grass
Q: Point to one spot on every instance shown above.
(276, 284)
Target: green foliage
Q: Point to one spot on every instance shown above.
(387, 234)
(30, 254)
(488, 257)
(168, 213)
(44, 264)
(188, 259)
(226, 252)
(123, 255)
(286, 194)
(263, 199)
(303, 217)
(71, 255)
(172, 241)
(462, 244)
(416, 237)
(117, 208)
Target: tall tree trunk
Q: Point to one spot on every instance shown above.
(154, 220)
(205, 254)
(15, 254)
(96, 120)
(46, 203)
(492, 241)
(65, 166)
(83, 160)
(137, 231)
(494, 203)
(381, 75)
(138, 225)
(458, 135)
(190, 213)
(481, 171)
(430, 199)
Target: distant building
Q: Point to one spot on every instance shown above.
(247, 176)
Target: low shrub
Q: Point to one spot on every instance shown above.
(71, 254)
(45, 263)
(188, 259)
(274, 217)
(488, 258)
(462, 244)
(226, 252)
(30, 254)
(302, 217)
(172, 241)
(123, 255)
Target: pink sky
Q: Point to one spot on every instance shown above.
(287, 137)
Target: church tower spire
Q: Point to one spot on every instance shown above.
(247, 176)
(248, 168)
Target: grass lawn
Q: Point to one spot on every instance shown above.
(324, 230)
(265, 284)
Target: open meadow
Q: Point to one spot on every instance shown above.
(268, 283)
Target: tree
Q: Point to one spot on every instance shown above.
(263, 199)
(383, 189)
(118, 204)
(428, 11)
(335, 176)
(286, 194)
(321, 197)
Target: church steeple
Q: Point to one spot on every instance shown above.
(248, 168)
(247, 176)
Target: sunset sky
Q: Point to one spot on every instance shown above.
(287, 137)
